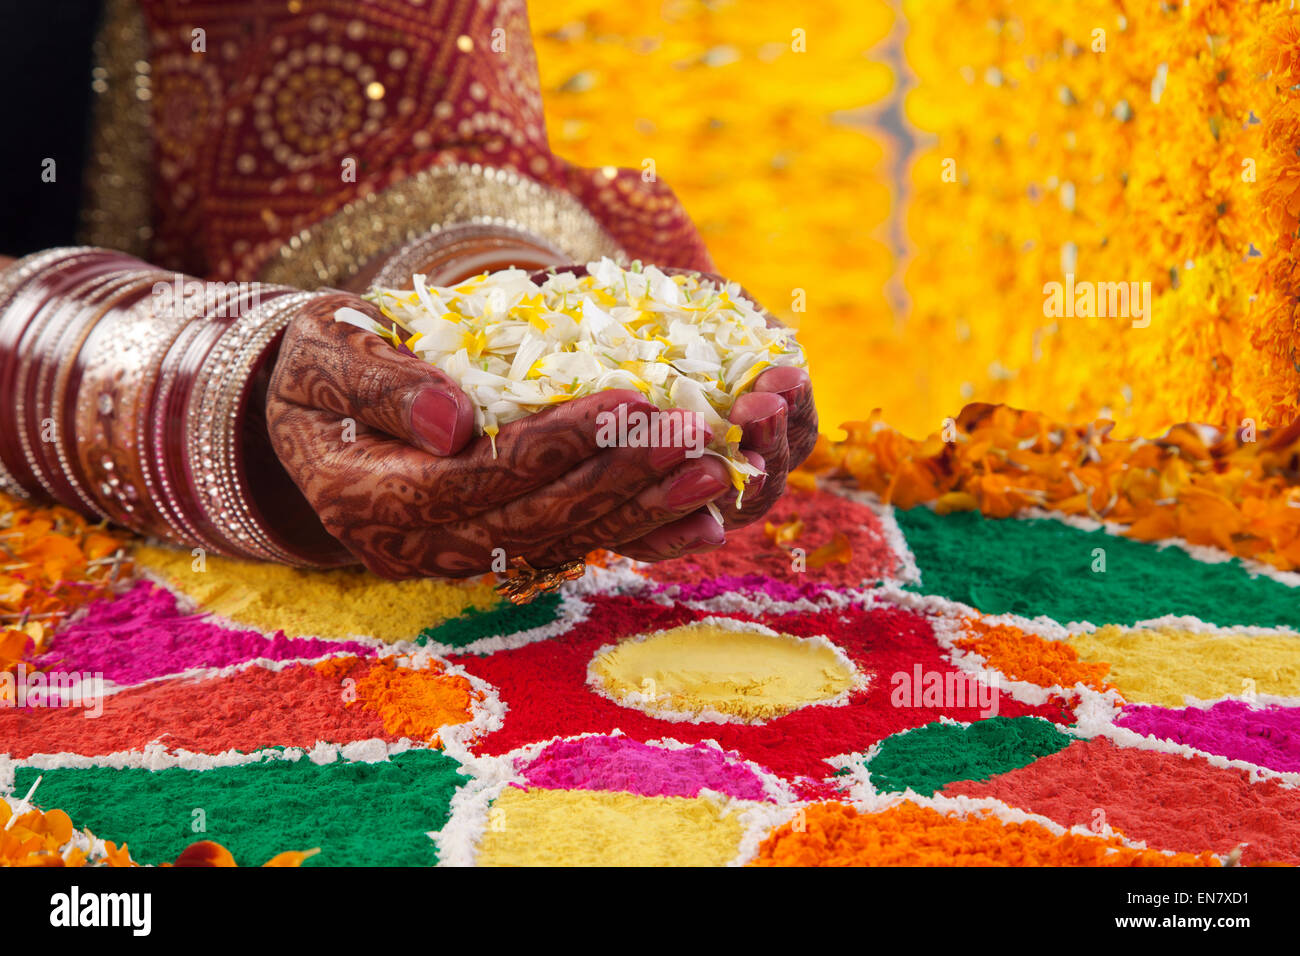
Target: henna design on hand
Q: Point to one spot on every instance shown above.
(381, 444)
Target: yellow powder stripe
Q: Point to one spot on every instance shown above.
(1162, 665)
(333, 604)
(744, 674)
(592, 828)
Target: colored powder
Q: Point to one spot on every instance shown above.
(929, 757)
(1163, 665)
(416, 703)
(1265, 736)
(1165, 800)
(617, 763)
(704, 667)
(544, 687)
(248, 710)
(342, 603)
(1020, 655)
(834, 834)
(142, 635)
(359, 814)
(475, 624)
(590, 828)
(1040, 566)
(750, 552)
(710, 588)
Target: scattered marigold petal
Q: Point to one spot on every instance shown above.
(837, 549)
(205, 853)
(785, 532)
(291, 857)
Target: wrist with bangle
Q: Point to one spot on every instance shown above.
(129, 405)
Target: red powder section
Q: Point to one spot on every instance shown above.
(253, 708)
(1168, 801)
(544, 687)
(750, 552)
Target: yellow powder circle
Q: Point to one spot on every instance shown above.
(711, 668)
(591, 828)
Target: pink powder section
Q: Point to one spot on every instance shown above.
(1267, 736)
(751, 562)
(1168, 801)
(619, 763)
(143, 634)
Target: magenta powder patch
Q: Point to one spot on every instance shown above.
(619, 763)
(144, 634)
(1267, 736)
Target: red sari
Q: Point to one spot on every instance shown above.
(282, 134)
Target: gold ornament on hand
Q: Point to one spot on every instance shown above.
(528, 583)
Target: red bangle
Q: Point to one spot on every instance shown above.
(58, 340)
(104, 384)
(27, 284)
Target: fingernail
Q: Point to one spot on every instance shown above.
(687, 438)
(795, 394)
(695, 487)
(764, 432)
(666, 456)
(714, 537)
(433, 418)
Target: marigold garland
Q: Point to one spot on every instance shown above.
(750, 110)
(1117, 142)
(1150, 142)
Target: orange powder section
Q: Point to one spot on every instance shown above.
(411, 702)
(1028, 657)
(835, 834)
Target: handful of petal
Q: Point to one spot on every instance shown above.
(517, 347)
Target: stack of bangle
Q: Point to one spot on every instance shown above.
(128, 401)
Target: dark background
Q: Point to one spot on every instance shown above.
(45, 64)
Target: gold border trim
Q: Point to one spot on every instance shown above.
(339, 246)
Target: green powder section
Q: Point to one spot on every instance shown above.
(359, 814)
(930, 757)
(1041, 566)
(503, 619)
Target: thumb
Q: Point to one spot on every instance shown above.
(438, 416)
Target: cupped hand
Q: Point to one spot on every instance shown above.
(778, 418)
(382, 446)
(779, 429)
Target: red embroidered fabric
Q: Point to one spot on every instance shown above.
(256, 106)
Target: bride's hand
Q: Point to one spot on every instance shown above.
(382, 446)
(779, 421)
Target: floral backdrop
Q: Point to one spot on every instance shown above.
(921, 170)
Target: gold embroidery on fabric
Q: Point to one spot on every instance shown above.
(116, 211)
(337, 247)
